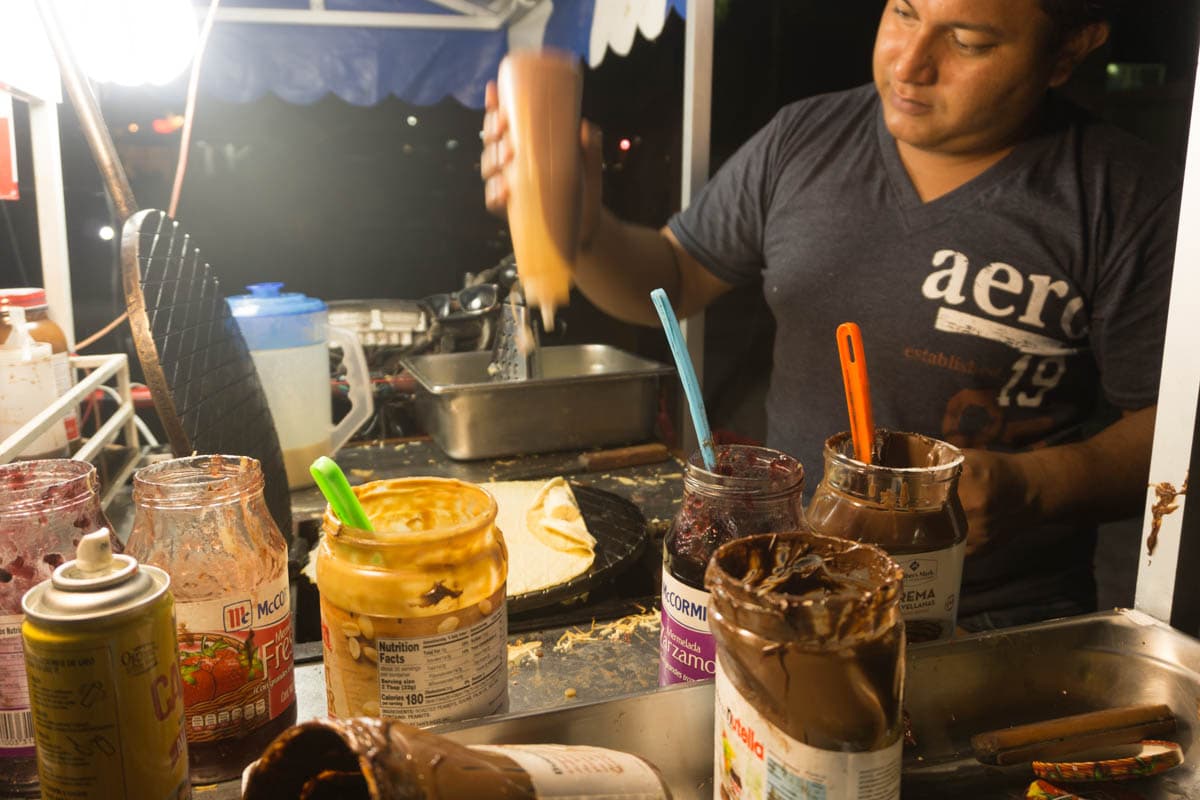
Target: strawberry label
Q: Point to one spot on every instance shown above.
(235, 662)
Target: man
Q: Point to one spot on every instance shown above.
(1007, 258)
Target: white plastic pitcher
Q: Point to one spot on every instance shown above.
(289, 335)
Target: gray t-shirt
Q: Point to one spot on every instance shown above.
(992, 316)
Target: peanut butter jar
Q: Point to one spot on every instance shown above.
(413, 616)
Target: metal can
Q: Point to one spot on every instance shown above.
(103, 671)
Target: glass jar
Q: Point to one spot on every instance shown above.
(905, 501)
(751, 490)
(365, 757)
(413, 615)
(203, 520)
(43, 329)
(45, 509)
(810, 645)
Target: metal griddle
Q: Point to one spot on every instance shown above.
(620, 531)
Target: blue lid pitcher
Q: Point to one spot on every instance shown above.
(289, 335)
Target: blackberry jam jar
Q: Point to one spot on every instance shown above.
(751, 490)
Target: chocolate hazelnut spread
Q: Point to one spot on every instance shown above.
(372, 758)
(905, 501)
(750, 490)
(810, 646)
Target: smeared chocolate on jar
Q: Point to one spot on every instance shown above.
(439, 592)
(905, 501)
(809, 633)
(373, 759)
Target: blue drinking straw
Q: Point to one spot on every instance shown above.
(687, 375)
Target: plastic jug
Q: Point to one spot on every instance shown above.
(289, 335)
(27, 388)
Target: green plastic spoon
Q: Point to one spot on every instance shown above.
(333, 484)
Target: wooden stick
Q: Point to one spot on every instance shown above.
(1065, 735)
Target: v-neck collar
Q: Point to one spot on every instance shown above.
(916, 214)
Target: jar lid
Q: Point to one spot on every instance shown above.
(267, 300)
(28, 297)
(271, 319)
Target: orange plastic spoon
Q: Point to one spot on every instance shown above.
(858, 389)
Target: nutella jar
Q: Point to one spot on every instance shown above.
(43, 329)
(810, 650)
(905, 501)
(751, 490)
(413, 615)
(45, 509)
(374, 759)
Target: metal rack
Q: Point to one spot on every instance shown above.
(101, 370)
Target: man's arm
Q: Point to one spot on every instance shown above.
(623, 263)
(1099, 479)
(618, 263)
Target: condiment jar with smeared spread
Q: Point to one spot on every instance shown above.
(204, 520)
(45, 509)
(751, 490)
(905, 501)
(413, 615)
(373, 759)
(810, 650)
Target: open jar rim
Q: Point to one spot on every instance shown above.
(197, 480)
(33, 487)
(869, 608)
(469, 524)
(839, 451)
(745, 470)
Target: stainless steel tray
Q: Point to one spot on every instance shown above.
(955, 689)
(589, 396)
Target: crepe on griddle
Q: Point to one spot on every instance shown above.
(547, 538)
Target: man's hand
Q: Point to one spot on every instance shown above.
(1099, 479)
(997, 495)
(498, 154)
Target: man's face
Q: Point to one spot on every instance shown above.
(962, 76)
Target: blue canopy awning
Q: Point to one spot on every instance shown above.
(302, 58)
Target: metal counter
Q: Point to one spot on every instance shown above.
(954, 690)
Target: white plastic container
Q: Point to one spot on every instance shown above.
(289, 337)
(27, 387)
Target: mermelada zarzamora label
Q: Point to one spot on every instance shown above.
(687, 650)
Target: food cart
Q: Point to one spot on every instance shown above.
(577, 681)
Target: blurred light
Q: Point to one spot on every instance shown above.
(131, 42)
(412, 122)
(107, 233)
(407, 149)
(452, 144)
(624, 144)
(168, 124)
(133, 127)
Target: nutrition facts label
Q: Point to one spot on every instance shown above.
(458, 674)
(16, 724)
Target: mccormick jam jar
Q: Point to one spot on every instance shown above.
(810, 645)
(905, 501)
(204, 520)
(413, 616)
(751, 490)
